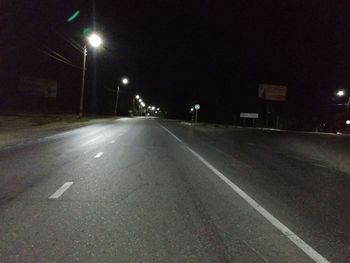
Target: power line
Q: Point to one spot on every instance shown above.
(72, 42)
(58, 59)
(59, 55)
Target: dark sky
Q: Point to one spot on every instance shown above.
(215, 53)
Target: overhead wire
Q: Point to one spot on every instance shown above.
(72, 42)
(58, 59)
(58, 54)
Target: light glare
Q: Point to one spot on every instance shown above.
(95, 40)
(340, 93)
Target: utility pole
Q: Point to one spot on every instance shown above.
(81, 107)
(267, 114)
(116, 102)
(196, 107)
(192, 110)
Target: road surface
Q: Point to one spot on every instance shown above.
(150, 190)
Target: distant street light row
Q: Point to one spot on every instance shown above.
(149, 110)
(142, 105)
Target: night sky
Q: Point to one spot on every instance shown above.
(177, 53)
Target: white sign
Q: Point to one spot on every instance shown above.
(197, 107)
(272, 92)
(249, 115)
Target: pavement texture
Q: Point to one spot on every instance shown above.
(144, 190)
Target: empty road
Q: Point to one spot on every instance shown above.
(152, 190)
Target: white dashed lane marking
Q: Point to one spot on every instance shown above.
(61, 190)
(98, 155)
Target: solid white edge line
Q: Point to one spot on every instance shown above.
(308, 250)
(61, 190)
(98, 155)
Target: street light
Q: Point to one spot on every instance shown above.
(124, 81)
(340, 93)
(192, 110)
(137, 97)
(95, 41)
(140, 100)
(196, 107)
(153, 108)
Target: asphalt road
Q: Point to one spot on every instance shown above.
(149, 190)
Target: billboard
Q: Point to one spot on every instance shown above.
(249, 115)
(272, 92)
(38, 87)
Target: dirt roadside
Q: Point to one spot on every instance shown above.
(20, 128)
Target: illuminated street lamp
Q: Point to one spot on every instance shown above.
(192, 111)
(137, 97)
(95, 41)
(196, 107)
(125, 81)
(153, 108)
(340, 93)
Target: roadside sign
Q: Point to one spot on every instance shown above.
(272, 92)
(249, 115)
(197, 106)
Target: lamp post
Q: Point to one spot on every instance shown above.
(124, 81)
(196, 107)
(142, 105)
(133, 100)
(95, 41)
(342, 93)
